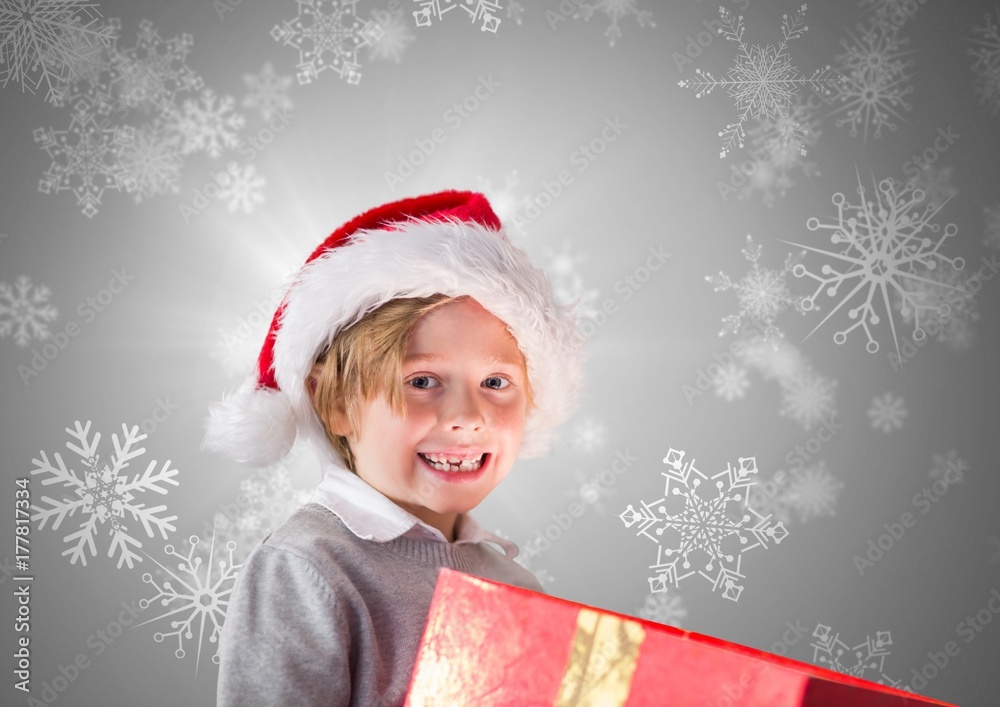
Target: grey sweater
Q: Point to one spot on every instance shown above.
(319, 616)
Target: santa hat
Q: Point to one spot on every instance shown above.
(450, 243)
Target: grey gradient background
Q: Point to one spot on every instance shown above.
(654, 186)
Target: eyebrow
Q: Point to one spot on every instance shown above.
(437, 357)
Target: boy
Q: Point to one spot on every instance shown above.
(422, 353)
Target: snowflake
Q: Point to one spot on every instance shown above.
(154, 72)
(207, 124)
(243, 190)
(393, 40)
(887, 240)
(94, 74)
(327, 35)
(995, 557)
(663, 608)
(775, 158)
(200, 598)
(435, 9)
(153, 161)
(703, 526)
(41, 41)
(987, 64)
(887, 412)
(589, 492)
(86, 158)
(812, 492)
(104, 493)
(864, 660)
(935, 184)
(567, 283)
(25, 311)
(948, 466)
(615, 10)
(807, 398)
(268, 501)
(763, 81)
(876, 78)
(951, 310)
(515, 11)
(267, 92)
(775, 358)
(991, 214)
(504, 200)
(762, 294)
(588, 436)
(731, 382)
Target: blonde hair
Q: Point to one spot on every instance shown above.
(366, 360)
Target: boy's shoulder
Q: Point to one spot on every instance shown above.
(310, 530)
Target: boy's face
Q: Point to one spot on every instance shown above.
(464, 383)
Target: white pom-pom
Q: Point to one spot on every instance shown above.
(253, 425)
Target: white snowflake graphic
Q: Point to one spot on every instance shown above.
(207, 124)
(477, 10)
(94, 73)
(865, 660)
(776, 159)
(764, 82)
(197, 598)
(615, 10)
(951, 311)
(25, 311)
(986, 53)
(887, 240)
(267, 92)
(588, 436)
(876, 80)
(328, 35)
(269, 500)
(812, 492)
(762, 294)
(393, 40)
(948, 467)
(991, 214)
(515, 11)
(589, 491)
(104, 494)
(86, 158)
(731, 382)
(936, 185)
(703, 526)
(41, 41)
(567, 282)
(663, 608)
(244, 189)
(807, 398)
(154, 73)
(887, 412)
(152, 161)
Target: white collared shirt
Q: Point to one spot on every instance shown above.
(370, 515)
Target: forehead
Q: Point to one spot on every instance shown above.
(460, 331)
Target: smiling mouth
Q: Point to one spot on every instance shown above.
(465, 465)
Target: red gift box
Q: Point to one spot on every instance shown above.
(487, 643)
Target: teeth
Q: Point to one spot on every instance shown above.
(441, 463)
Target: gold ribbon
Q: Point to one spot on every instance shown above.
(602, 660)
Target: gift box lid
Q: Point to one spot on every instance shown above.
(488, 643)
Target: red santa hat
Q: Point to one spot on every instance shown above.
(451, 243)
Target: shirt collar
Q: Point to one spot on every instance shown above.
(371, 515)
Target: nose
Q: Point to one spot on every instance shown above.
(462, 409)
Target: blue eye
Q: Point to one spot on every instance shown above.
(421, 378)
(502, 379)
